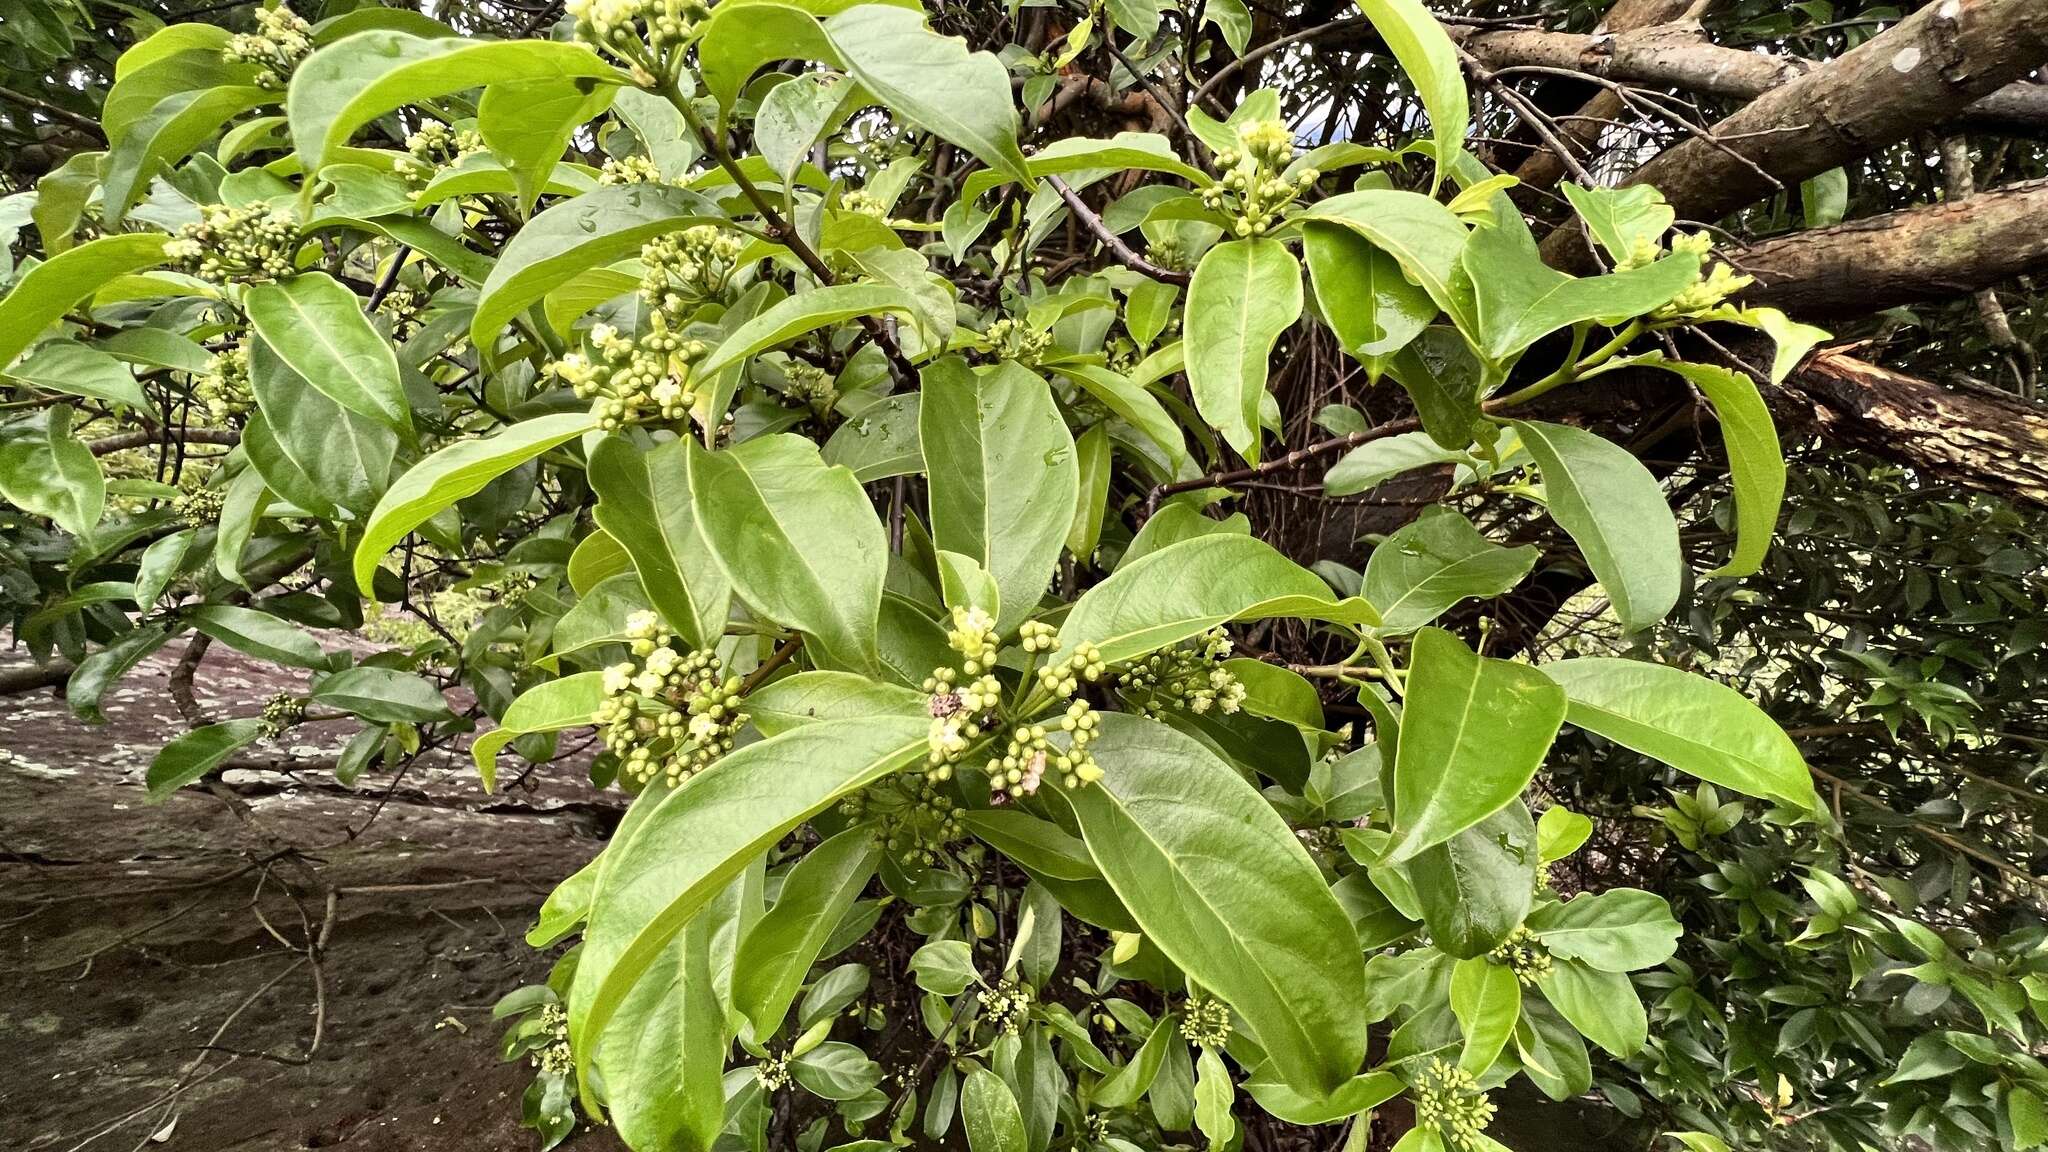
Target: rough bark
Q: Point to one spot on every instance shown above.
(1675, 56)
(1974, 437)
(1917, 74)
(1936, 252)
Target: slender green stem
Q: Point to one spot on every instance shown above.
(1574, 368)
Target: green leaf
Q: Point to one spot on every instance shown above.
(259, 634)
(1134, 404)
(1277, 693)
(1615, 512)
(1003, 476)
(192, 755)
(1550, 1051)
(881, 442)
(1560, 831)
(383, 696)
(601, 226)
(317, 327)
(46, 471)
(795, 114)
(1824, 199)
(809, 697)
(1222, 887)
(1362, 1092)
(1475, 887)
(77, 370)
(1423, 235)
(1518, 299)
(166, 135)
(1624, 221)
(1603, 1006)
(644, 504)
(48, 290)
(351, 82)
(944, 967)
(1473, 733)
(782, 945)
(1487, 999)
(1619, 930)
(836, 1071)
(550, 706)
(1696, 725)
(1372, 464)
(806, 312)
(345, 457)
(799, 541)
(664, 1058)
(933, 81)
(454, 473)
(1214, 1096)
(1434, 562)
(1440, 372)
(1244, 294)
(1096, 462)
(695, 839)
(1426, 54)
(1361, 291)
(988, 1111)
(739, 39)
(1191, 586)
(526, 125)
(1128, 1084)
(1754, 457)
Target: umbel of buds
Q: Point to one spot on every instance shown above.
(1008, 339)
(1254, 174)
(1449, 1102)
(280, 41)
(634, 169)
(1205, 1021)
(1523, 954)
(634, 379)
(667, 713)
(685, 267)
(435, 146)
(236, 243)
(224, 387)
(623, 25)
(199, 507)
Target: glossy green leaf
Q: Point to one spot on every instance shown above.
(383, 695)
(695, 839)
(1696, 725)
(1518, 299)
(1619, 930)
(1411, 32)
(454, 473)
(644, 504)
(1137, 406)
(318, 328)
(259, 634)
(1560, 831)
(1432, 563)
(188, 758)
(346, 458)
(351, 82)
(47, 471)
(1419, 232)
(1191, 586)
(799, 541)
(881, 442)
(1476, 887)
(809, 697)
(1372, 464)
(806, 312)
(1223, 888)
(933, 81)
(589, 231)
(526, 124)
(165, 135)
(780, 948)
(48, 290)
(1095, 462)
(1487, 999)
(1603, 1006)
(665, 1053)
(1003, 476)
(1626, 222)
(1361, 291)
(1244, 294)
(1755, 459)
(78, 370)
(1615, 512)
(550, 706)
(989, 1114)
(1215, 1095)
(1473, 732)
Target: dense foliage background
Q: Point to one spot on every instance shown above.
(1003, 480)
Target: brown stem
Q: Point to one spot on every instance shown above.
(1124, 253)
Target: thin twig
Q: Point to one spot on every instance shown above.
(1124, 253)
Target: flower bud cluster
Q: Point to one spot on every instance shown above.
(1007, 1006)
(959, 715)
(282, 711)
(864, 202)
(1449, 1102)
(1205, 1021)
(634, 379)
(667, 712)
(433, 147)
(1063, 678)
(634, 169)
(809, 385)
(403, 307)
(1031, 752)
(621, 25)
(1252, 177)
(1523, 953)
(282, 39)
(236, 243)
(1008, 339)
(199, 507)
(772, 1073)
(224, 387)
(555, 1057)
(1186, 678)
(684, 267)
(1716, 282)
(973, 636)
(915, 818)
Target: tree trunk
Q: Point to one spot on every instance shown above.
(1918, 74)
(1974, 437)
(1937, 252)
